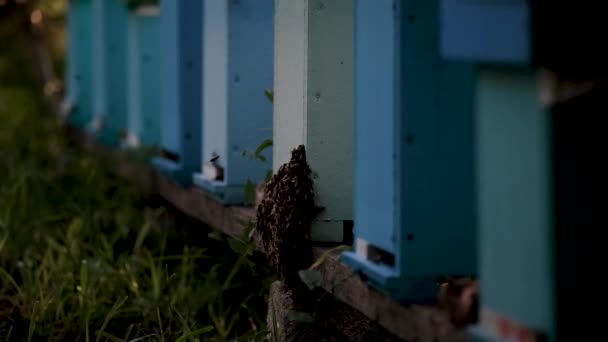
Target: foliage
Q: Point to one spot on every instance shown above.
(86, 257)
(257, 154)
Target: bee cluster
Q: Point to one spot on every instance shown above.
(285, 216)
(284, 219)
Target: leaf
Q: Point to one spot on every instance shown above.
(251, 233)
(216, 235)
(258, 151)
(311, 278)
(11, 280)
(237, 246)
(141, 236)
(275, 323)
(269, 95)
(249, 193)
(327, 253)
(268, 177)
(2, 242)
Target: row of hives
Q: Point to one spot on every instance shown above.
(426, 124)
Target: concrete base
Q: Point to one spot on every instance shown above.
(332, 320)
(280, 327)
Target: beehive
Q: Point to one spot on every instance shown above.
(143, 93)
(415, 209)
(237, 116)
(79, 72)
(314, 104)
(181, 81)
(110, 72)
(513, 168)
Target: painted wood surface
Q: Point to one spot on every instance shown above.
(79, 69)
(486, 30)
(314, 102)
(98, 65)
(414, 153)
(181, 87)
(110, 71)
(516, 248)
(143, 77)
(237, 69)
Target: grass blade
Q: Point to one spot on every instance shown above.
(160, 325)
(11, 280)
(113, 311)
(327, 253)
(142, 338)
(275, 324)
(194, 333)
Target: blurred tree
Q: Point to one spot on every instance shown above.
(6, 7)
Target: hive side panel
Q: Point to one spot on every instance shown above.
(329, 112)
(170, 87)
(150, 78)
(191, 61)
(215, 66)
(514, 203)
(290, 44)
(250, 73)
(376, 117)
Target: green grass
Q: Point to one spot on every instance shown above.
(86, 257)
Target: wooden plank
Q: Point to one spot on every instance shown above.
(143, 76)
(409, 322)
(79, 71)
(237, 68)
(180, 97)
(99, 67)
(114, 83)
(485, 30)
(314, 102)
(414, 154)
(514, 205)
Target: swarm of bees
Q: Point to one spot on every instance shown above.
(285, 215)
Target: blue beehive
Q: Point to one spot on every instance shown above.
(181, 76)
(414, 153)
(515, 230)
(79, 72)
(513, 168)
(143, 39)
(110, 72)
(238, 67)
